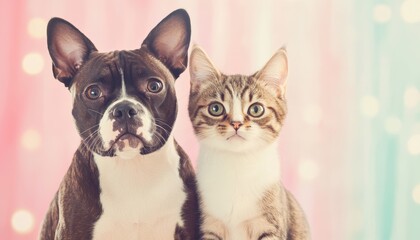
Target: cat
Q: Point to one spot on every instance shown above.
(237, 120)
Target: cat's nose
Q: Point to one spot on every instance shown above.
(236, 124)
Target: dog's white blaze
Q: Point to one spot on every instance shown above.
(123, 88)
(231, 184)
(142, 197)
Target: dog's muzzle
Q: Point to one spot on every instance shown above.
(126, 128)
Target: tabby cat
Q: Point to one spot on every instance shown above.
(237, 120)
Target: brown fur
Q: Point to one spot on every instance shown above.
(278, 215)
(77, 206)
(222, 91)
(77, 197)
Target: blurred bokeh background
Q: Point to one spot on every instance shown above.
(351, 142)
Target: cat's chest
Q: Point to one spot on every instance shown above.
(232, 186)
(228, 199)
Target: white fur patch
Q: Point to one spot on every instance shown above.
(141, 197)
(232, 184)
(246, 139)
(108, 134)
(237, 114)
(123, 87)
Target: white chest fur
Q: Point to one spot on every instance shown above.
(232, 184)
(142, 197)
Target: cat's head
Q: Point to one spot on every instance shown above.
(237, 112)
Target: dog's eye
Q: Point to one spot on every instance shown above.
(93, 92)
(154, 85)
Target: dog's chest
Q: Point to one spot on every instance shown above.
(140, 198)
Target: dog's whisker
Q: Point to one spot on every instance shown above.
(162, 122)
(89, 109)
(92, 140)
(160, 138)
(163, 129)
(92, 135)
(96, 125)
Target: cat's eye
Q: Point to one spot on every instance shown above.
(93, 92)
(154, 85)
(256, 110)
(216, 109)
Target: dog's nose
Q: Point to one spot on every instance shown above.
(125, 110)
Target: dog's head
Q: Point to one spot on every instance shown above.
(124, 101)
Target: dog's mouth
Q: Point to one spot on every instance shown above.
(127, 140)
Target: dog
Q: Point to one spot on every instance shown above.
(129, 179)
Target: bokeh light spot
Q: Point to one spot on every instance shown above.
(31, 139)
(382, 13)
(411, 97)
(33, 63)
(22, 221)
(37, 27)
(369, 106)
(393, 125)
(413, 145)
(410, 11)
(308, 170)
(416, 194)
(312, 114)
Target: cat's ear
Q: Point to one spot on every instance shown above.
(274, 73)
(169, 41)
(202, 70)
(68, 47)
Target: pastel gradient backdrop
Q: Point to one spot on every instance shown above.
(351, 143)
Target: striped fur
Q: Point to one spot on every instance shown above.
(248, 91)
(238, 165)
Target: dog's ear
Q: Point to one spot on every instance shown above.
(169, 41)
(68, 48)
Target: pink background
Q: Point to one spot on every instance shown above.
(350, 144)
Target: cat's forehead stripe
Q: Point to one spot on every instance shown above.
(230, 91)
(244, 91)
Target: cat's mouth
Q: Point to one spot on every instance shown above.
(235, 136)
